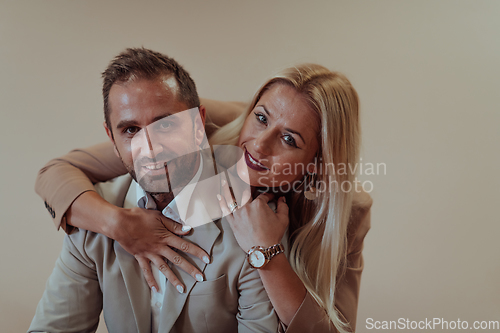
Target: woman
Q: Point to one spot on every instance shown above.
(301, 127)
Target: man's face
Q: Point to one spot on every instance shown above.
(155, 139)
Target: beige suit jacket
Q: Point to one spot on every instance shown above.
(94, 272)
(63, 179)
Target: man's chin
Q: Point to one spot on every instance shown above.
(157, 184)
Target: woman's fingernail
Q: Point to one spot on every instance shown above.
(206, 260)
(154, 289)
(180, 288)
(224, 182)
(186, 228)
(284, 199)
(199, 277)
(219, 197)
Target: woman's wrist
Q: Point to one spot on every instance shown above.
(112, 221)
(91, 212)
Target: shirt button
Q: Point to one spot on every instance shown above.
(158, 305)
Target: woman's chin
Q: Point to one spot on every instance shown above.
(243, 172)
(252, 177)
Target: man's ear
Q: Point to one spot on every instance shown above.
(110, 136)
(203, 114)
(199, 126)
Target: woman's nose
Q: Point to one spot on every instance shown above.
(263, 143)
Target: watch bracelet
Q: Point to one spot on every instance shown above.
(274, 250)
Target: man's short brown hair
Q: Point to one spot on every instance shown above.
(142, 63)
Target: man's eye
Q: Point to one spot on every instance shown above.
(261, 118)
(164, 125)
(131, 130)
(289, 140)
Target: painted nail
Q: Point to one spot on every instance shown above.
(224, 182)
(186, 228)
(199, 277)
(180, 288)
(219, 197)
(206, 260)
(154, 289)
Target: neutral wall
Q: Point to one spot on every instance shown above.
(427, 73)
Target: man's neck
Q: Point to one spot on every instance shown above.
(162, 199)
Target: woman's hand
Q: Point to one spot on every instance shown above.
(255, 223)
(151, 237)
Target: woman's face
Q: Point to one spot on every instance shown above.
(279, 139)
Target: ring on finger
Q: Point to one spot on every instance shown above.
(233, 206)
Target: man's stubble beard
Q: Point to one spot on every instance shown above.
(171, 185)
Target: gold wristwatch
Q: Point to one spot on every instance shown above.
(258, 256)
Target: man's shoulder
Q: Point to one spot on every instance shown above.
(88, 243)
(115, 190)
(87, 246)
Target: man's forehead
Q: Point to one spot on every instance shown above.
(171, 83)
(135, 98)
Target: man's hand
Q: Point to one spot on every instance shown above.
(151, 237)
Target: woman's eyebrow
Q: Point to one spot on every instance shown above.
(295, 132)
(262, 106)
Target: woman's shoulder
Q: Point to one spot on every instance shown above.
(361, 201)
(359, 221)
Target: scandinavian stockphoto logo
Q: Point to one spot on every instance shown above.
(326, 177)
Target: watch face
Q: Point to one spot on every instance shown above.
(257, 258)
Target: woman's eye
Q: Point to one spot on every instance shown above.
(261, 118)
(289, 140)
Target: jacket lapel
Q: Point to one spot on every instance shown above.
(136, 288)
(204, 236)
(135, 284)
(203, 210)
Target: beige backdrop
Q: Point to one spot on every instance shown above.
(427, 73)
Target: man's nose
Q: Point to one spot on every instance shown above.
(144, 144)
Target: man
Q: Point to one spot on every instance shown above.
(154, 119)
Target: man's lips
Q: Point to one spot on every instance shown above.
(253, 163)
(152, 168)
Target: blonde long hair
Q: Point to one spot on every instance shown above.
(318, 229)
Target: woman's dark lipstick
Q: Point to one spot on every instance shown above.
(253, 163)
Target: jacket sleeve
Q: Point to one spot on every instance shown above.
(255, 311)
(72, 300)
(310, 317)
(64, 179)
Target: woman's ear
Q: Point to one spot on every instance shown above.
(311, 167)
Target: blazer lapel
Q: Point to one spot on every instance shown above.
(136, 285)
(201, 208)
